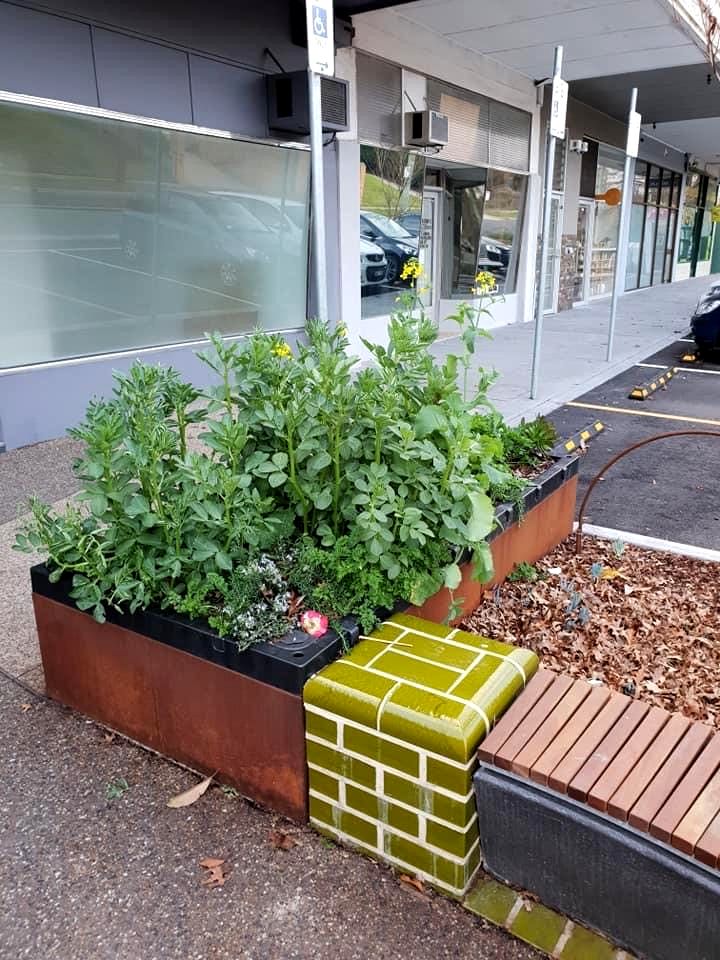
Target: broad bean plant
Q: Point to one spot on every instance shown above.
(289, 445)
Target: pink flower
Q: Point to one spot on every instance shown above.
(314, 623)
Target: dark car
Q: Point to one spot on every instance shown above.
(705, 322)
(399, 245)
(212, 240)
(411, 222)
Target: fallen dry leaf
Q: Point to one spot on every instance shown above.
(280, 840)
(190, 796)
(415, 882)
(216, 873)
(25, 707)
(652, 632)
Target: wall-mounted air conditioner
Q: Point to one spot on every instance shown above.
(288, 103)
(426, 128)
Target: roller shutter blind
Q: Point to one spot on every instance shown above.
(379, 96)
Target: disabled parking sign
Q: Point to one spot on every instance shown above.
(321, 43)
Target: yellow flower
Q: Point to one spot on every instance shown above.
(282, 350)
(342, 330)
(412, 270)
(485, 283)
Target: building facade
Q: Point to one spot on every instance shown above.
(147, 200)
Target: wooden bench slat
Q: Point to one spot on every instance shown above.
(578, 754)
(701, 814)
(527, 727)
(517, 712)
(686, 792)
(668, 777)
(627, 758)
(607, 750)
(629, 792)
(570, 734)
(708, 847)
(554, 723)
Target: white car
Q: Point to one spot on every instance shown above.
(373, 263)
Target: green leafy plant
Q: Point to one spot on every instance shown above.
(116, 789)
(524, 572)
(382, 480)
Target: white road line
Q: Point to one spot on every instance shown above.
(662, 366)
(685, 340)
(652, 543)
(84, 303)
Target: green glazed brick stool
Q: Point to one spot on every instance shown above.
(392, 731)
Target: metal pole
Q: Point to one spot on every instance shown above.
(318, 198)
(545, 237)
(623, 230)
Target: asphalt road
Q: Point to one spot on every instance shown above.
(668, 489)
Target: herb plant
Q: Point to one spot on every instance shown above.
(292, 476)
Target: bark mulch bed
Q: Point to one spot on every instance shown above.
(644, 623)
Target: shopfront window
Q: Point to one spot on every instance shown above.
(391, 190)
(656, 194)
(696, 230)
(608, 189)
(486, 211)
(117, 236)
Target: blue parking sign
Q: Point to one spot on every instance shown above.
(319, 18)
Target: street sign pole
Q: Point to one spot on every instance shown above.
(556, 131)
(631, 152)
(321, 62)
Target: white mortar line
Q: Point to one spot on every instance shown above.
(662, 366)
(514, 911)
(505, 657)
(652, 543)
(322, 712)
(389, 645)
(398, 773)
(382, 795)
(453, 858)
(563, 939)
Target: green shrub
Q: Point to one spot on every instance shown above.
(382, 476)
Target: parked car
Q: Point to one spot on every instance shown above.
(211, 240)
(411, 222)
(705, 322)
(397, 243)
(373, 263)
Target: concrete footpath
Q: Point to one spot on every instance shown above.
(574, 345)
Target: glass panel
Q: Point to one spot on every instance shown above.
(666, 188)
(581, 246)
(653, 185)
(605, 234)
(676, 188)
(116, 236)
(648, 247)
(639, 182)
(391, 188)
(669, 246)
(502, 223)
(706, 231)
(637, 218)
(466, 214)
(687, 230)
(609, 170)
(559, 167)
(692, 189)
(660, 244)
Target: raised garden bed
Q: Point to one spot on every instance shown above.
(295, 492)
(522, 535)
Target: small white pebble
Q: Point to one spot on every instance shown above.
(555, 571)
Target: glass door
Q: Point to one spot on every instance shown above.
(429, 245)
(582, 252)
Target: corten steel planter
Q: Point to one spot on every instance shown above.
(525, 535)
(176, 687)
